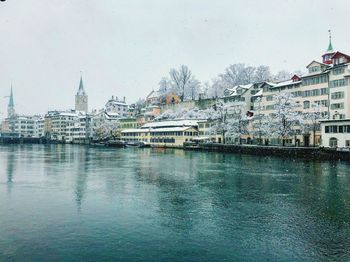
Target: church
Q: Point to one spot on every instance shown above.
(81, 98)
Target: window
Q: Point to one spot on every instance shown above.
(306, 104)
(337, 106)
(338, 71)
(347, 143)
(333, 129)
(338, 83)
(269, 98)
(337, 95)
(333, 142)
(314, 80)
(314, 69)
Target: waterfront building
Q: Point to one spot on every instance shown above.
(163, 133)
(336, 133)
(326, 84)
(81, 98)
(69, 126)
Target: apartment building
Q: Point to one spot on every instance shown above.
(326, 83)
(116, 107)
(68, 126)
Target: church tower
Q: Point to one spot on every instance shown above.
(81, 98)
(11, 106)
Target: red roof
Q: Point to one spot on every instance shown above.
(340, 54)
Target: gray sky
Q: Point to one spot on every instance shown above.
(124, 47)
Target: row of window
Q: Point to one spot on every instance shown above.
(134, 134)
(314, 69)
(338, 71)
(338, 83)
(337, 129)
(162, 140)
(338, 95)
(315, 80)
(337, 106)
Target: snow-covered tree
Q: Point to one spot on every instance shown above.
(312, 119)
(238, 123)
(261, 124)
(184, 83)
(164, 87)
(286, 117)
(282, 75)
(183, 113)
(228, 119)
(104, 128)
(262, 73)
(233, 75)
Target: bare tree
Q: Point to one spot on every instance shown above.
(262, 73)
(233, 75)
(282, 76)
(180, 79)
(248, 75)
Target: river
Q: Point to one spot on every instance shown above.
(79, 203)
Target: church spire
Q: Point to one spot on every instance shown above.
(11, 106)
(330, 47)
(81, 90)
(11, 103)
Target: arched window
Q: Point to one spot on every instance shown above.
(333, 142)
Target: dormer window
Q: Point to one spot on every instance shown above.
(314, 69)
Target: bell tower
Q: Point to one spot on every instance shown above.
(81, 98)
(11, 106)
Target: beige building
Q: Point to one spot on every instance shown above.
(164, 133)
(326, 84)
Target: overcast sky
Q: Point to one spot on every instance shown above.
(124, 47)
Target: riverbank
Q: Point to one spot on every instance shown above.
(315, 153)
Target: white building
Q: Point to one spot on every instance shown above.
(69, 126)
(115, 106)
(335, 133)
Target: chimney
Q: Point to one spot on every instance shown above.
(124, 99)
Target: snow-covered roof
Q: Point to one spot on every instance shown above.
(165, 129)
(153, 94)
(173, 123)
(171, 129)
(134, 130)
(116, 102)
(286, 83)
(259, 93)
(233, 90)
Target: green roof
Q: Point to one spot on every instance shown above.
(330, 47)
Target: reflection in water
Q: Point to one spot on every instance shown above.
(137, 204)
(10, 167)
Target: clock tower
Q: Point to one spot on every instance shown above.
(81, 98)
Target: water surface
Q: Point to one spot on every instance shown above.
(75, 203)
